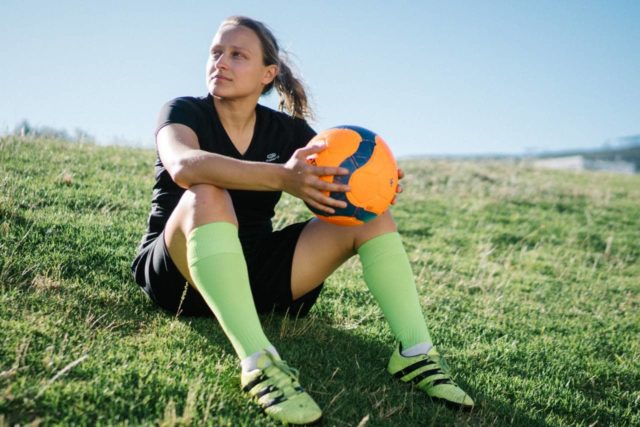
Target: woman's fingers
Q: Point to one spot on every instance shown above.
(321, 201)
(314, 147)
(329, 171)
(306, 180)
(331, 187)
(399, 188)
(320, 207)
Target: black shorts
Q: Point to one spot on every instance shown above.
(269, 260)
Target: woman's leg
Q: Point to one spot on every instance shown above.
(323, 247)
(202, 239)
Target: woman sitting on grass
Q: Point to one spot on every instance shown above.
(223, 161)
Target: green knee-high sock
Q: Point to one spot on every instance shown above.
(388, 275)
(219, 270)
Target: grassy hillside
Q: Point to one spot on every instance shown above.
(529, 280)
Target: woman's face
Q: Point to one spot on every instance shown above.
(235, 66)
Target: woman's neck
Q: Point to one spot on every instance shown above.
(236, 116)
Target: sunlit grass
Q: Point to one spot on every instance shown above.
(529, 280)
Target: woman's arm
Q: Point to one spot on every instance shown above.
(188, 165)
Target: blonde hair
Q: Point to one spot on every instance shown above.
(291, 90)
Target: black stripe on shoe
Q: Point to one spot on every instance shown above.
(421, 376)
(264, 391)
(253, 383)
(274, 401)
(409, 369)
(442, 381)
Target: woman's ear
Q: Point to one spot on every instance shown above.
(271, 71)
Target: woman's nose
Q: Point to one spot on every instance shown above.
(221, 61)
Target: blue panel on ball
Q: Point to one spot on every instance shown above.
(365, 134)
(363, 153)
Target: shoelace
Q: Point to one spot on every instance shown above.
(440, 364)
(438, 359)
(285, 377)
(432, 365)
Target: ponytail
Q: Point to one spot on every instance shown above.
(291, 90)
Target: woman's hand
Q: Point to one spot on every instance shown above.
(399, 187)
(302, 180)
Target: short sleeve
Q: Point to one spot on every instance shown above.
(304, 133)
(181, 111)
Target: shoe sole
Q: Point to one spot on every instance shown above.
(449, 404)
(452, 405)
(317, 422)
(263, 410)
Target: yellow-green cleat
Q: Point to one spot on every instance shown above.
(275, 386)
(425, 371)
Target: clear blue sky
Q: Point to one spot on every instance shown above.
(430, 77)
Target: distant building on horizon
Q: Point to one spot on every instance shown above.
(581, 163)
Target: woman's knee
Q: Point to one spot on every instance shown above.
(383, 224)
(205, 192)
(205, 203)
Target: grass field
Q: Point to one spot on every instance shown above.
(530, 281)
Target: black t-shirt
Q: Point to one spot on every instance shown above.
(276, 136)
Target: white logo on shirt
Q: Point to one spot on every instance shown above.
(272, 157)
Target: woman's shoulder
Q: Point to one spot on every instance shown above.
(294, 129)
(286, 120)
(191, 111)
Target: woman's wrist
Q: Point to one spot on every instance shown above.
(279, 176)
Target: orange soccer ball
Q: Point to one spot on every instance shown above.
(373, 176)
